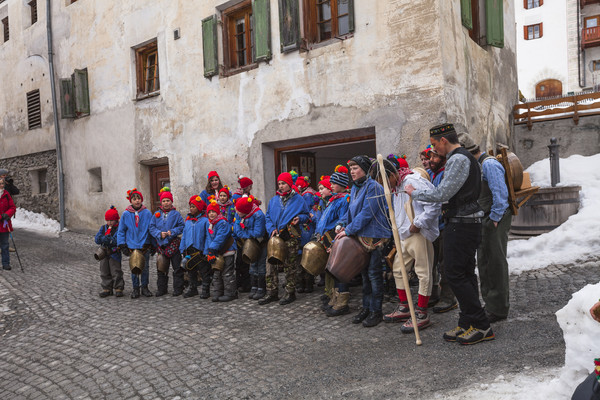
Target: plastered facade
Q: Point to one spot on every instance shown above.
(408, 66)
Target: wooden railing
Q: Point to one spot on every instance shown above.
(590, 37)
(587, 2)
(573, 106)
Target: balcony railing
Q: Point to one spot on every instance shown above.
(584, 3)
(590, 37)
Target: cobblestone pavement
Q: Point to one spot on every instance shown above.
(60, 340)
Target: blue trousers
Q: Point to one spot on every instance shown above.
(372, 277)
(135, 281)
(4, 247)
(260, 267)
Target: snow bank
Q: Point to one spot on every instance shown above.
(35, 222)
(579, 236)
(581, 335)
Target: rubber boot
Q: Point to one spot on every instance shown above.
(341, 305)
(261, 291)
(254, 284)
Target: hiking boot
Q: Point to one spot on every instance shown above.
(332, 300)
(374, 318)
(493, 317)
(341, 305)
(400, 314)
(205, 294)
(227, 297)
(190, 293)
(474, 335)
(287, 299)
(118, 292)
(271, 297)
(254, 286)
(451, 335)
(260, 293)
(146, 292)
(445, 306)
(362, 314)
(423, 321)
(135, 293)
(261, 290)
(159, 292)
(105, 293)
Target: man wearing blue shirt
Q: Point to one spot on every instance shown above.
(491, 254)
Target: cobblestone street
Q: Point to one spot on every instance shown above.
(60, 340)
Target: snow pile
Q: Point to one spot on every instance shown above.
(28, 220)
(581, 335)
(579, 236)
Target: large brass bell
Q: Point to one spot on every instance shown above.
(219, 263)
(100, 254)
(162, 263)
(250, 251)
(314, 258)
(277, 251)
(137, 261)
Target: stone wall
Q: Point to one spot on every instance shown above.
(532, 145)
(25, 172)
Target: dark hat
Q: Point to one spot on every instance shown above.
(388, 166)
(467, 142)
(441, 130)
(339, 179)
(363, 161)
(3, 171)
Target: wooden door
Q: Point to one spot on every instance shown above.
(548, 88)
(304, 163)
(159, 178)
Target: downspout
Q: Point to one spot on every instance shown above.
(61, 184)
(579, 48)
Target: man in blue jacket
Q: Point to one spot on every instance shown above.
(367, 220)
(286, 211)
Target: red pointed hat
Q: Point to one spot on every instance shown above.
(287, 178)
(197, 201)
(243, 205)
(245, 182)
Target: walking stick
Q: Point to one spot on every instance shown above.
(16, 252)
(388, 198)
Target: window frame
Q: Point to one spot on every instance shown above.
(5, 29)
(33, 11)
(229, 16)
(310, 23)
(593, 17)
(142, 55)
(532, 26)
(527, 7)
(34, 116)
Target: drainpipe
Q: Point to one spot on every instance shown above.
(579, 50)
(61, 183)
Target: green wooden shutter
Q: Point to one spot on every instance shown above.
(261, 13)
(289, 25)
(209, 46)
(81, 90)
(494, 19)
(67, 100)
(351, 15)
(466, 13)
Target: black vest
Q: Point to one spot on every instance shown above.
(464, 202)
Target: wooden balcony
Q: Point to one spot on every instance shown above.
(584, 3)
(590, 37)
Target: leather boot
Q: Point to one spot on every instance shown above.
(271, 297)
(362, 314)
(374, 318)
(227, 297)
(205, 293)
(300, 283)
(146, 292)
(341, 305)
(260, 292)
(254, 284)
(288, 298)
(135, 293)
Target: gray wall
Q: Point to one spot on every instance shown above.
(532, 145)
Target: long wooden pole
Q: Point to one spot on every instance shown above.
(388, 198)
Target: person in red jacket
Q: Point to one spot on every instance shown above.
(7, 210)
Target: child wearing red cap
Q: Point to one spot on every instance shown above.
(245, 189)
(242, 269)
(309, 195)
(219, 242)
(111, 273)
(212, 187)
(192, 243)
(226, 206)
(287, 210)
(165, 227)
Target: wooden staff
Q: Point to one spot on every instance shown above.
(388, 198)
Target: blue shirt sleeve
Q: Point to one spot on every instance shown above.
(179, 224)
(493, 173)
(154, 231)
(98, 238)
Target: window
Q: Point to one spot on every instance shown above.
(532, 3)
(95, 179)
(33, 8)
(5, 29)
(485, 21)
(75, 95)
(146, 58)
(591, 22)
(533, 31)
(596, 65)
(327, 19)
(39, 180)
(34, 110)
(239, 23)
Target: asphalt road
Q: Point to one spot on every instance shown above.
(60, 340)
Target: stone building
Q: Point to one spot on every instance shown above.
(162, 92)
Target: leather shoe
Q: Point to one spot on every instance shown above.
(146, 292)
(287, 299)
(362, 314)
(374, 318)
(105, 293)
(493, 317)
(271, 297)
(6, 267)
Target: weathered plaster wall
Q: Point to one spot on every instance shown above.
(532, 145)
(480, 82)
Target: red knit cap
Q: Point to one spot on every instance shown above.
(165, 193)
(132, 192)
(111, 214)
(197, 201)
(287, 178)
(225, 190)
(243, 205)
(402, 162)
(325, 182)
(245, 182)
(301, 182)
(341, 169)
(213, 173)
(213, 206)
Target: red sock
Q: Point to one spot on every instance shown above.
(423, 301)
(402, 295)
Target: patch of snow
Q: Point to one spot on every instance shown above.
(31, 221)
(579, 236)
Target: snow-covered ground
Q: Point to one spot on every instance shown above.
(579, 237)
(35, 222)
